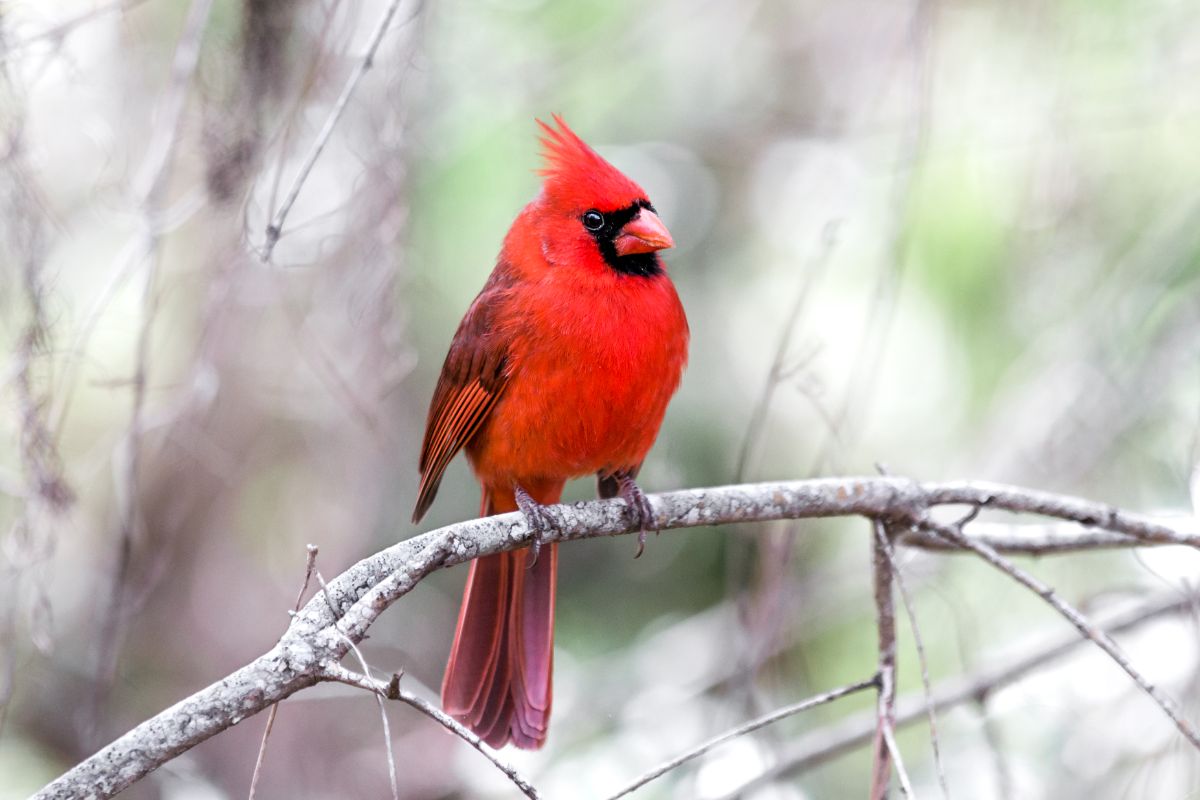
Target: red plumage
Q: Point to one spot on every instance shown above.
(563, 366)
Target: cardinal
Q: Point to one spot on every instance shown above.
(562, 367)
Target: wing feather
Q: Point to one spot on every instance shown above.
(472, 380)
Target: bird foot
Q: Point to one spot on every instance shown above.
(640, 509)
(537, 520)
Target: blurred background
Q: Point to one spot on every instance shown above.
(959, 239)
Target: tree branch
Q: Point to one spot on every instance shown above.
(322, 633)
(1045, 539)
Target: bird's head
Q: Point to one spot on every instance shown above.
(590, 214)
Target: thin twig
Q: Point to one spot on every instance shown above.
(275, 228)
(976, 494)
(889, 738)
(262, 751)
(1075, 617)
(309, 566)
(885, 623)
(776, 374)
(392, 691)
(387, 744)
(926, 686)
(742, 730)
(455, 727)
(1047, 539)
(61, 29)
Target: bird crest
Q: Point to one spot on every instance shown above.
(576, 175)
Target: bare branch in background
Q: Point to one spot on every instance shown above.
(885, 297)
(889, 739)
(1081, 623)
(1081, 421)
(59, 31)
(150, 187)
(323, 632)
(742, 730)
(762, 604)
(884, 753)
(824, 744)
(843, 422)
(779, 362)
(275, 228)
(42, 487)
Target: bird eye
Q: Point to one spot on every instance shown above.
(593, 220)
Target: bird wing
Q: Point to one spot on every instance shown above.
(472, 380)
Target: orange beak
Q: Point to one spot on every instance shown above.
(645, 233)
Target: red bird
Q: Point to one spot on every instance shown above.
(563, 366)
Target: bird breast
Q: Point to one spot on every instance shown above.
(591, 372)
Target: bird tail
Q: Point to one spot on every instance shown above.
(497, 680)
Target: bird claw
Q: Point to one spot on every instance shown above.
(640, 510)
(537, 520)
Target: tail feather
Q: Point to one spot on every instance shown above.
(532, 639)
(498, 678)
(491, 718)
(533, 630)
(479, 638)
